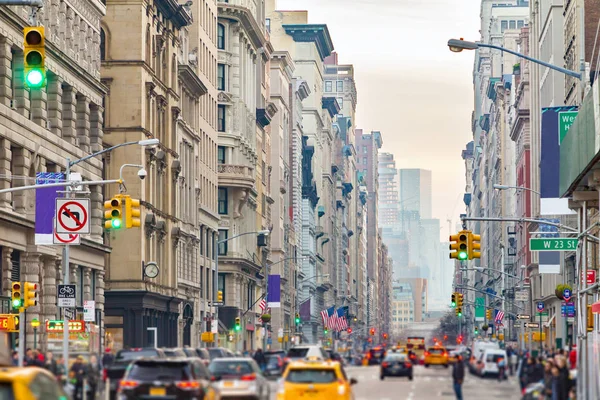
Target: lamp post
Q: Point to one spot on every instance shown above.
(66, 251)
(216, 273)
(35, 323)
(506, 187)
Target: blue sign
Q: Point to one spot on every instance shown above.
(540, 306)
(567, 309)
(567, 294)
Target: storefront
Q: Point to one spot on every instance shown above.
(140, 319)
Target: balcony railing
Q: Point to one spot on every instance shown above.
(236, 176)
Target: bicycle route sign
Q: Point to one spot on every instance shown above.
(66, 295)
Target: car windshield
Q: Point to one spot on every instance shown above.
(305, 375)
(214, 353)
(298, 352)
(494, 358)
(6, 391)
(230, 368)
(127, 355)
(435, 350)
(150, 371)
(272, 360)
(395, 357)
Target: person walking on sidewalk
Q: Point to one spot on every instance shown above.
(458, 376)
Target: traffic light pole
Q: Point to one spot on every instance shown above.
(65, 266)
(22, 328)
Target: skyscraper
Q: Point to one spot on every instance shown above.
(415, 191)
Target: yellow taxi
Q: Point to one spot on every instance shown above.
(315, 379)
(29, 383)
(436, 355)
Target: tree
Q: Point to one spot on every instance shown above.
(448, 326)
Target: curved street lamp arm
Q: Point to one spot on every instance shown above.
(75, 162)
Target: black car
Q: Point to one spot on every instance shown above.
(396, 364)
(274, 366)
(115, 372)
(173, 378)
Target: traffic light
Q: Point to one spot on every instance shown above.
(16, 297)
(459, 339)
(219, 296)
(476, 331)
(385, 336)
(349, 330)
(372, 331)
(354, 319)
(132, 213)
(238, 325)
(460, 249)
(34, 56)
(458, 311)
(325, 330)
(474, 246)
(113, 213)
(453, 301)
(30, 298)
(460, 299)
(297, 319)
(488, 315)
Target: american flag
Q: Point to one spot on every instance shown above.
(263, 304)
(341, 323)
(327, 315)
(499, 316)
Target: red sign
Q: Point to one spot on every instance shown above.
(591, 276)
(4, 324)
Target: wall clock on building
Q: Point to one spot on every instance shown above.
(151, 270)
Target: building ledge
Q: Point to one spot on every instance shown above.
(236, 176)
(317, 33)
(175, 12)
(191, 80)
(331, 105)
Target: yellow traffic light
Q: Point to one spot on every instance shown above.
(113, 213)
(34, 56)
(132, 213)
(30, 294)
(219, 296)
(238, 324)
(16, 296)
(459, 244)
(459, 311)
(590, 319)
(474, 246)
(488, 314)
(460, 299)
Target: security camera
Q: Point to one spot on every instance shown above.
(189, 3)
(142, 174)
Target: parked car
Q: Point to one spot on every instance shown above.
(174, 352)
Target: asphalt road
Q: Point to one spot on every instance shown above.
(428, 383)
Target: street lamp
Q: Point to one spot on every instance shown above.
(458, 45)
(35, 323)
(505, 187)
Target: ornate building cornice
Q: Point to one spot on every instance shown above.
(317, 33)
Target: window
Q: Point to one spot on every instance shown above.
(102, 45)
(520, 24)
(221, 37)
(512, 24)
(221, 77)
(223, 209)
(268, 24)
(339, 86)
(221, 118)
(328, 86)
(221, 284)
(221, 155)
(365, 149)
(365, 160)
(503, 25)
(340, 102)
(222, 246)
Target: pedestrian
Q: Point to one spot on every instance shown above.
(35, 360)
(260, 359)
(501, 369)
(61, 371)
(93, 376)
(458, 376)
(28, 359)
(108, 358)
(50, 364)
(573, 357)
(563, 377)
(514, 361)
(548, 379)
(15, 358)
(77, 376)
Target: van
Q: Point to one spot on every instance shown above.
(478, 348)
(488, 361)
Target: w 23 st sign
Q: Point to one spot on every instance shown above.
(555, 244)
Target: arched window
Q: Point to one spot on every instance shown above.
(102, 45)
(221, 37)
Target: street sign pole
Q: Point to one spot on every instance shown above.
(22, 327)
(541, 344)
(65, 268)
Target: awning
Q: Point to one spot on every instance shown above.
(550, 321)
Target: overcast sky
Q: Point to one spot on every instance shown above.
(410, 86)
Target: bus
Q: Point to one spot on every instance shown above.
(416, 349)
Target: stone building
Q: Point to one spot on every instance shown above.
(145, 99)
(40, 129)
(244, 114)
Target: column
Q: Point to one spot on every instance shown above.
(31, 264)
(21, 164)
(83, 122)
(59, 272)
(87, 280)
(5, 183)
(21, 93)
(6, 72)
(69, 114)
(39, 114)
(96, 132)
(96, 212)
(47, 296)
(55, 93)
(6, 270)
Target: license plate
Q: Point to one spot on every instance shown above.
(158, 391)
(228, 384)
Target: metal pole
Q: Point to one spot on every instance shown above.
(541, 344)
(215, 289)
(583, 310)
(267, 300)
(22, 329)
(65, 267)
(35, 338)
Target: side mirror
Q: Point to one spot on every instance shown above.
(353, 381)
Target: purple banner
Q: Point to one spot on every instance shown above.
(305, 310)
(274, 291)
(45, 203)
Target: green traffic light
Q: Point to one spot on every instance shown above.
(16, 303)
(34, 78)
(453, 304)
(460, 314)
(237, 328)
(462, 255)
(116, 223)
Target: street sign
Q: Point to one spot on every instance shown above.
(565, 120)
(65, 238)
(69, 314)
(543, 313)
(567, 294)
(521, 295)
(532, 325)
(72, 216)
(553, 244)
(89, 310)
(540, 306)
(216, 303)
(66, 295)
(522, 316)
(591, 276)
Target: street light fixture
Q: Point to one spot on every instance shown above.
(506, 187)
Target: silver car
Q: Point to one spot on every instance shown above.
(235, 378)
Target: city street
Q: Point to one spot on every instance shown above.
(431, 383)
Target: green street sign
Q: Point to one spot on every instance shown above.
(543, 313)
(565, 120)
(553, 244)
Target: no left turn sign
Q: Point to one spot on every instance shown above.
(72, 216)
(65, 238)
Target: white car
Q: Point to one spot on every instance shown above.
(488, 362)
(302, 352)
